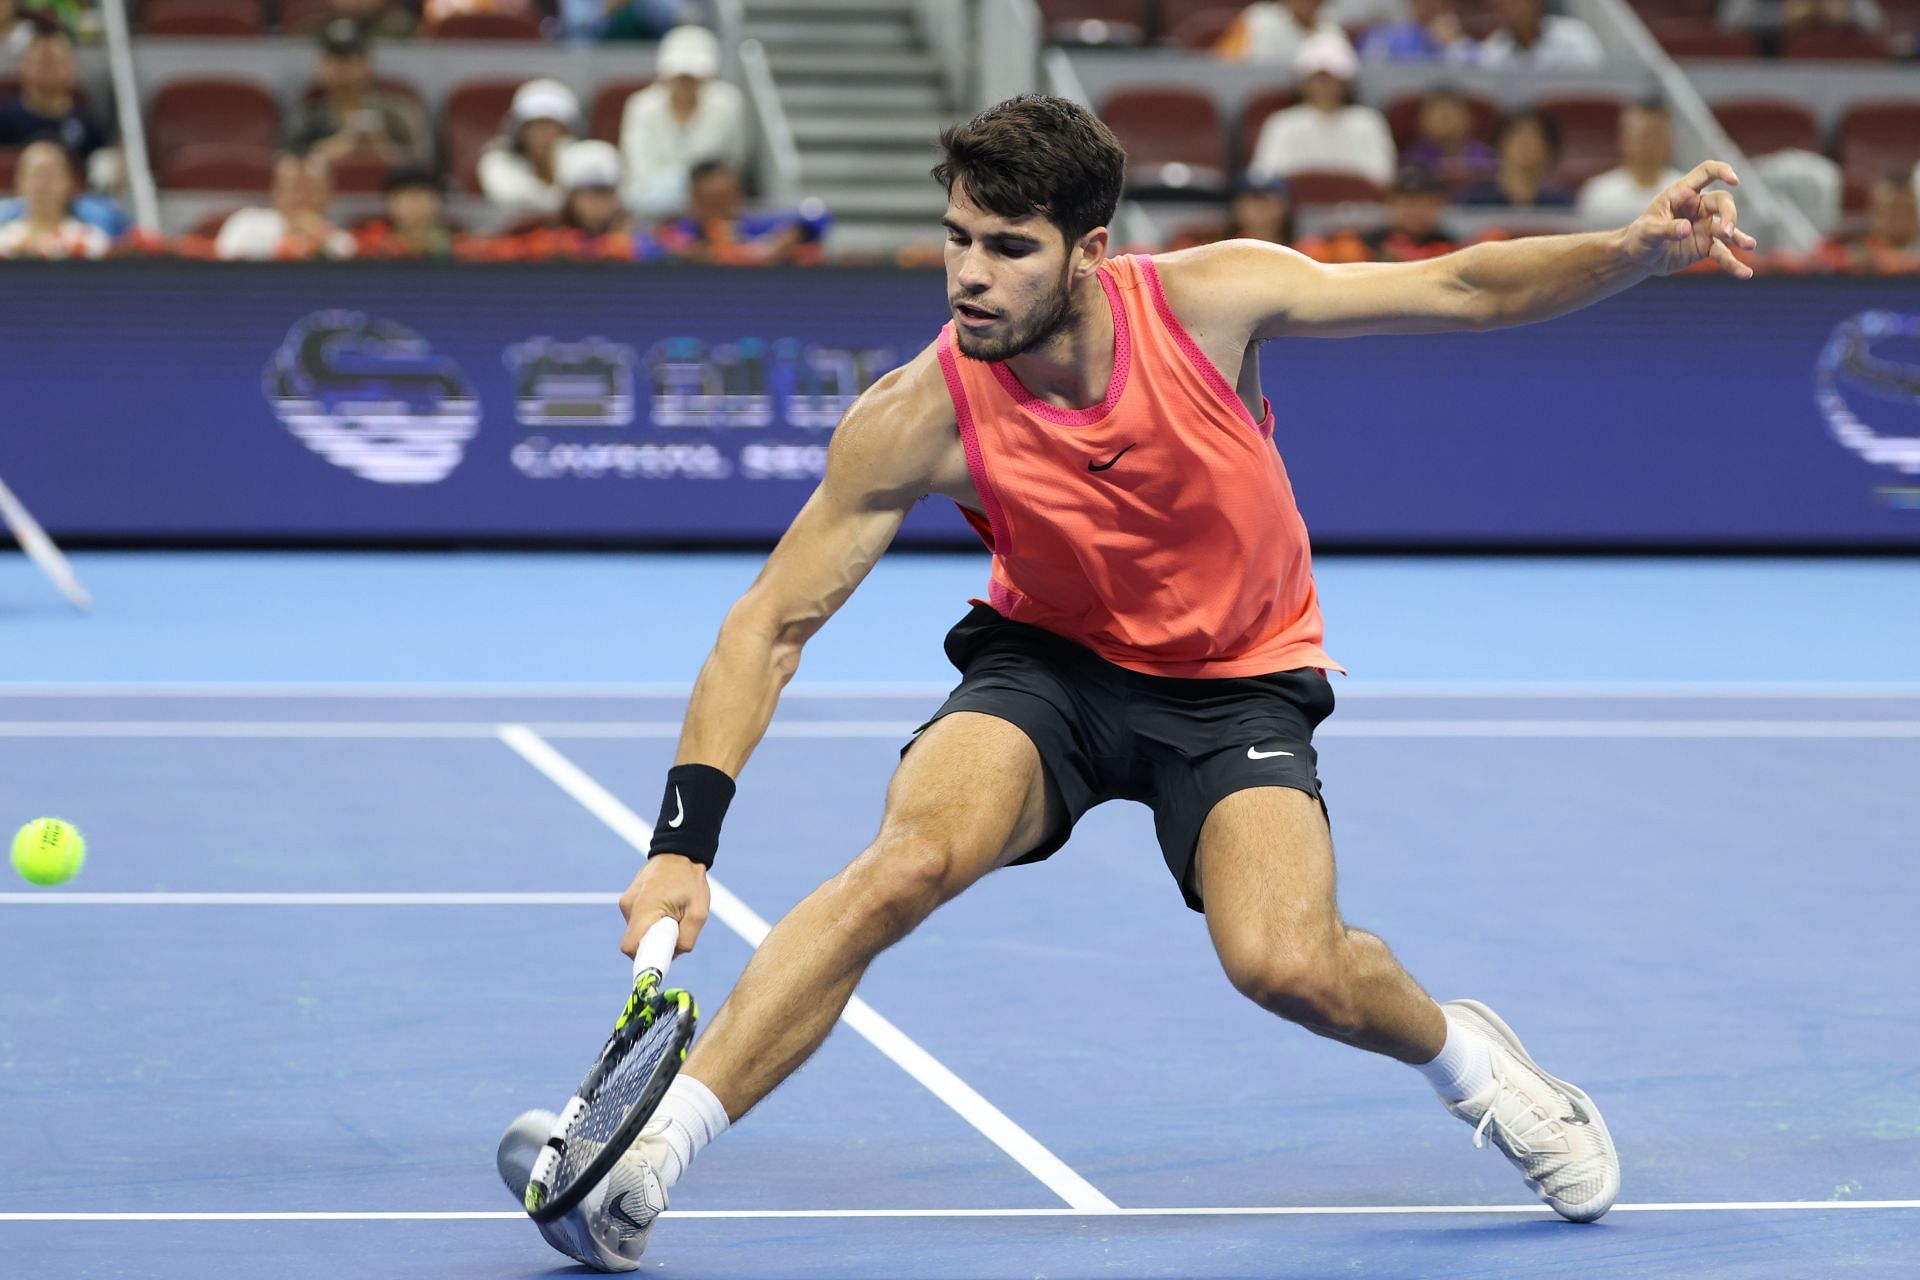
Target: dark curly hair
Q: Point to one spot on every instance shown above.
(1037, 155)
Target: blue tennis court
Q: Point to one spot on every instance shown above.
(349, 909)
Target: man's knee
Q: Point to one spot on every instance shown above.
(898, 881)
(1310, 985)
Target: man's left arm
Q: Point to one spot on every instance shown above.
(1271, 292)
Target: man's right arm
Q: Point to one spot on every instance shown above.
(883, 458)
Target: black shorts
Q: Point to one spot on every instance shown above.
(1106, 733)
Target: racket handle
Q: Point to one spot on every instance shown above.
(656, 948)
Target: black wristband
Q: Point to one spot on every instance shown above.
(691, 811)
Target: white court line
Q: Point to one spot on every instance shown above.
(898, 729)
(1597, 689)
(56, 898)
(998, 1128)
(1228, 1211)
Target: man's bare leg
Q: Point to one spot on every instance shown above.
(969, 796)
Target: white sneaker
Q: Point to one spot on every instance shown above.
(1549, 1129)
(608, 1230)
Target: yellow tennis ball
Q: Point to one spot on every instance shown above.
(48, 851)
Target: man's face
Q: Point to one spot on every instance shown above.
(1417, 213)
(715, 195)
(1444, 119)
(414, 209)
(1260, 215)
(1324, 89)
(1892, 216)
(538, 138)
(1523, 147)
(595, 209)
(1646, 139)
(345, 72)
(45, 178)
(1008, 280)
(47, 64)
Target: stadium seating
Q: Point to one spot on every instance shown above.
(1834, 44)
(1202, 29)
(1702, 38)
(210, 110)
(1589, 125)
(1761, 126)
(609, 104)
(1875, 138)
(202, 18)
(1316, 187)
(1403, 117)
(474, 110)
(484, 26)
(218, 166)
(300, 16)
(1252, 117)
(9, 161)
(1168, 125)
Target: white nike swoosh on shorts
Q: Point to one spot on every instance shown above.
(1254, 754)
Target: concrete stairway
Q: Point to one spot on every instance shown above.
(864, 96)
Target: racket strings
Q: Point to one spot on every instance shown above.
(621, 1090)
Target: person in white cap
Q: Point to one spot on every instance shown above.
(589, 173)
(684, 118)
(1327, 131)
(518, 169)
(1270, 32)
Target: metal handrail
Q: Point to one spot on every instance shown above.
(780, 155)
(133, 127)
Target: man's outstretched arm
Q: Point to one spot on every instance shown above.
(881, 461)
(1267, 291)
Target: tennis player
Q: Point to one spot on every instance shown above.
(1151, 632)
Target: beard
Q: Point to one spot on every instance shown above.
(1048, 321)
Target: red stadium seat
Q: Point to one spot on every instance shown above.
(1163, 126)
(201, 18)
(359, 174)
(9, 161)
(1702, 38)
(1652, 11)
(301, 17)
(485, 26)
(209, 109)
(1121, 22)
(218, 166)
(1252, 117)
(1589, 126)
(386, 84)
(1762, 126)
(1202, 29)
(474, 111)
(1835, 44)
(610, 104)
(1403, 117)
(1878, 137)
(1174, 13)
(1317, 187)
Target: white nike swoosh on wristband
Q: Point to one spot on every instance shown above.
(1253, 754)
(681, 815)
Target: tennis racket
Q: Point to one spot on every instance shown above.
(622, 1089)
(41, 550)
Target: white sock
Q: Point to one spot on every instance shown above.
(1464, 1065)
(688, 1118)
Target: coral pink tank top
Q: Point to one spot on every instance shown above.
(1156, 528)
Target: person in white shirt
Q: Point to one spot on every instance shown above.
(46, 228)
(1270, 32)
(517, 170)
(1531, 37)
(682, 119)
(1328, 131)
(296, 226)
(1646, 152)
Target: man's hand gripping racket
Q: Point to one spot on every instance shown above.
(606, 1226)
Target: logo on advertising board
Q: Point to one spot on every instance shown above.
(1869, 398)
(371, 397)
(572, 384)
(752, 408)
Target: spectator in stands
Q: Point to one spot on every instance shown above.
(1269, 32)
(1529, 151)
(1772, 18)
(1262, 209)
(1446, 145)
(46, 227)
(1416, 219)
(415, 225)
(620, 19)
(297, 226)
(351, 115)
(376, 19)
(518, 171)
(435, 12)
(589, 172)
(717, 229)
(1528, 36)
(1328, 131)
(683, 118)
(1618, 196)
(1891, 243)
(1432, 32)
(47, 107)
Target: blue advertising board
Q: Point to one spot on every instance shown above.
(424, 403)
